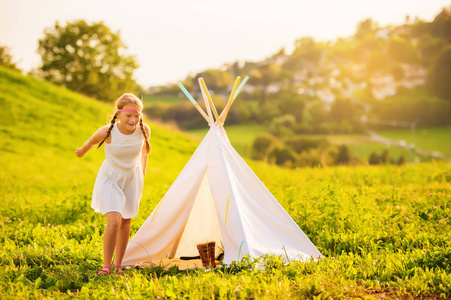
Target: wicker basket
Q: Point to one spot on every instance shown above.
(207, 253)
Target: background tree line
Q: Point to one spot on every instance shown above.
(347, 68)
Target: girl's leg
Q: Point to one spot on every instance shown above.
(122, 241)
(113, 223)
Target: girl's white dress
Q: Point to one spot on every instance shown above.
(119, 183)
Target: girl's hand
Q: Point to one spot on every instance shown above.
(80, 152)
(96, 138)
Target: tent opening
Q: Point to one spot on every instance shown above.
(202, 225)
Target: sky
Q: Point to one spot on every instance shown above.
(172, 39)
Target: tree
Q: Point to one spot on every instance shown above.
(441, 25)
(306, 51)
(374, 159)
(344, 109)
(402, 50)
(87, 58)
(365, 28)
(376, 61)
(343, 156)
(440, 73)
(217, 80)
(264, 76)
(6, 59)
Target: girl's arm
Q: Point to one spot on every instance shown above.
(96, 138)
(144, 152)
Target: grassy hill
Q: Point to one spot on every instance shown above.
(42, 127)
(384, 231)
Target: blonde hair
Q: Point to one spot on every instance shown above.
(121, 102)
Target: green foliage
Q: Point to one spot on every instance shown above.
(262, 144)
(343, 156)
(440, 74)
(301, 143)
(441, 25)
(365, 28)
(282, 155)
(217, 80)
(344, 109)
(6, 59)
(402, 50)
(376, 61)
(266, 74)
(307, 50)
(416, 105)
(282, 126)
(87, 58)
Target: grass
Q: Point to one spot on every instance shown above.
(383, 230)
(432, 139)
(241, 136)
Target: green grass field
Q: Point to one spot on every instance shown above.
(432, 139)
(383, 230)
(240, 136)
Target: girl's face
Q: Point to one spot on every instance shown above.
(129, 120)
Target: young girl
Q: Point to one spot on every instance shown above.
(119, 183)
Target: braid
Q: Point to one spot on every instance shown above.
(144, 133)
(113, 120)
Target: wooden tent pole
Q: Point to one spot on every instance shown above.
(207, 106)
(207, 94)
(229, 102)
(187, 94)
(233, 95)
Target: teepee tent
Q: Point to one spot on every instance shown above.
(217, 198)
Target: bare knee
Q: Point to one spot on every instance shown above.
(114, 220)
(125, 224)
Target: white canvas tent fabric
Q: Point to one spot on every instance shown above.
(218, 198)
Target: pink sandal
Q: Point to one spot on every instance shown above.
(119, 270)
(105, 271)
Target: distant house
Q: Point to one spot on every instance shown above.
(414, 75)
(351, 87)
(300, 77)
(402, 30)
(274, 87)
(335, 84)
(154, 89)
(316, 80)
(358, 70)
(383, 33)
(326, 95)
(306, 91)
(248, 89)
(280, 59)
(383, 85)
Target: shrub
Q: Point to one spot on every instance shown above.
(300, 144)
(374, 159)
(282, 126)
(310, 158)
(343, 156)
(440, 73)
(282, 156)
(262, 145)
